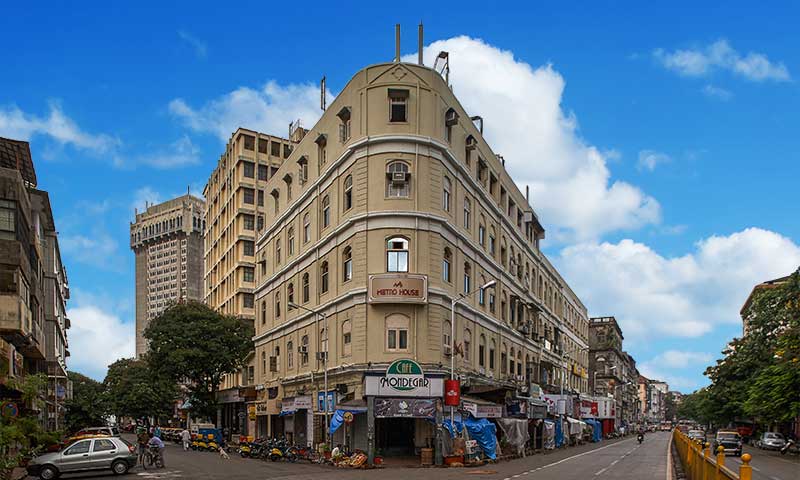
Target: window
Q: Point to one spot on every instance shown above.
(511, 362)
(503, 358)
(306, 288)
(348, 193)
(260, 198)
(264, 362)
(249, 196)
(491, 354)
(263, 145)
(262, 169)
(289, 354)
(467, 278)
(447, 341)
(275, 149)
(397, 180)
(304, 350)
(276, 194)
(263, 313)
(277, 251)
(398, 104)
(482, 234)
(248, 248)
(470, 145)
(302, 164)
(397, 332)
(344, 126)
(260, 222)
(323, 277)
(467, 345)
(248, 274)
(306, 228)
(103, 445)
(247, 221)
(290, 242)
(7, 216)
(290, 294)
(491, 241)
(288, 180)
(397, 255)
(467, 212)
(446, 189)
(326, 211)
(482, 351)
(482, 293)
(450, 119)
(78, 448)
(447, 261)
(346, 338)
(347, 264)
(249, 142)
(519, 363)
(491, 302)
(249, 169)
(277, 304)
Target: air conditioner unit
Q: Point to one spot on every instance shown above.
(302, 349)
(398, 177)
(321, 356)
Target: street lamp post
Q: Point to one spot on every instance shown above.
(453, 303)
(324, 365)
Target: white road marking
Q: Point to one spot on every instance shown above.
(613, 463)
(601, 471)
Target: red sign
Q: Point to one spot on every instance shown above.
(452, 393)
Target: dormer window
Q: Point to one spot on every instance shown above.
(469, 145)
(288, 179)
(397, 180)
(322, 144)
(302, 170)
(344, 126)
(398, 105)
(450, 119)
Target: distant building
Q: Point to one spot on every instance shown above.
(167, 240)
(612, 371)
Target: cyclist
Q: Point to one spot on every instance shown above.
(157, 442)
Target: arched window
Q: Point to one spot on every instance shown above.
(347, 338)
(511, 362)
(482, 231)
(306, 228)
(503, 357)
(290, 242)
(467, 278)
(467, 212)
(446, 192)
(290, 293)
(450, 119)
(304, 350)
(447, 261)
(492, 348)
(528, 368)
(397, 326)
(467, 345)
(397, 180)
(323, 277)
(347, 264)
(519, 363)
(277, 304)
(306, 288)
(289, 354)
(348, 193)
(503, 306)
(263, 363)
(263, 312)
(503, 250)
(326, 211)
(482, 351)
(397, 255)
(541, 282)
(482, 292)
(277, 250)
(469, 145)
(447, 340)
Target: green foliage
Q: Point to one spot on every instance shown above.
(133, 389)
(775, 392)
(88, 404)
(190, 341)
(22, 436)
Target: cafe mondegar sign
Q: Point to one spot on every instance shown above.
(404, 378)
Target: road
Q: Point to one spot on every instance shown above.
(619, 459)
(768, 465)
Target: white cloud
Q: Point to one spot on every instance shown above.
(199, 46)
(144, 196)
(571, 184)
(649, 159)
(180, 153)
(717, 92)
(17, 124)
(720, 55)
(268, 109)
(98, 249)
(97, 339)
(681, 359)
(653, 296)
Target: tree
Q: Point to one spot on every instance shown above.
(670, 407)
(133, 389)
(773, 395)
(88, 404)
(194, 344)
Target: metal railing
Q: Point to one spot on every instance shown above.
(699, 464)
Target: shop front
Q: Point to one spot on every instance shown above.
(403, 406)
(298, 420)
(232, 411)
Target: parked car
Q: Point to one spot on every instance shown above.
(771, 441)
(697, 435)
(101, 453)
(730, 441)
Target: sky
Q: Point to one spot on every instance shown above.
(659, 140)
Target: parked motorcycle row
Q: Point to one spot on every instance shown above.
(276, 449)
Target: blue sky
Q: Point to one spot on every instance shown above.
(660, 140)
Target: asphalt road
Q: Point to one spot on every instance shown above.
(769, 465)
(617, 459)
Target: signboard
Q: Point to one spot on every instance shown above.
(296, 403)
(398, 288)
(251, 412)
(331, 401)
(405, 407)
(404, 378)
(484, 411)
(560, 404)
(588, 409)
(348, 417)
(452, 392)
(605, 407)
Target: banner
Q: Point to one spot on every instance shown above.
(452, 393)
(405, 407)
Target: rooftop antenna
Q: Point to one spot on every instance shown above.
(397, 42)
(420, 43)
(322, 99)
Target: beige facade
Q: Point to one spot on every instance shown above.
(167, 240)
(395, 178)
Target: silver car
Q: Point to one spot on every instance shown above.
(771, 441)
(98, 453)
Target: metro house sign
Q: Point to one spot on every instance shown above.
(398, 288)
(404, 375)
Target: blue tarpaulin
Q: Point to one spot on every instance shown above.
(338, 418)
(559, 434)
(481, 430)
(597, 429)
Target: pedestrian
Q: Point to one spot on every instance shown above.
(155, 441)
(186, 437)
(141, 439)
(157, 431)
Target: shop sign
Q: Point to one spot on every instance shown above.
(588, 409)
(484, 411)
(331, 401)
(348, 417)
(605, 407)
(398, 288)
(230, 395)
(251, 412)
(404, 378)
(405, 407)
(296, 403)
(262, 408)
(516, 407)
(452, 392)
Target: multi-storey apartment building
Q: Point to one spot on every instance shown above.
(167, 240)
(391, 207)
(235, 210)
(33, 285)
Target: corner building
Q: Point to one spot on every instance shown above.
(391, 206)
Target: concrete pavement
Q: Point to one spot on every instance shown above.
(769, 465)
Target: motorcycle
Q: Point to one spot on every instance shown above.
(640, 438)
(790, 447)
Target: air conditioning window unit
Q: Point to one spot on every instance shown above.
(398, 177)
(302, 349)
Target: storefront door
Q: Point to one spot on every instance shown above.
(395, 436)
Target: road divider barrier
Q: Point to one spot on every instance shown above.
(699, 464)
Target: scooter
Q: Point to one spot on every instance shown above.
(790, 447)
(640, 438)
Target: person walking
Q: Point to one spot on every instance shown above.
(141, 439)
(186, 438)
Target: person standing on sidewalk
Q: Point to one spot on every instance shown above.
(186, 438)
(142, 438)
